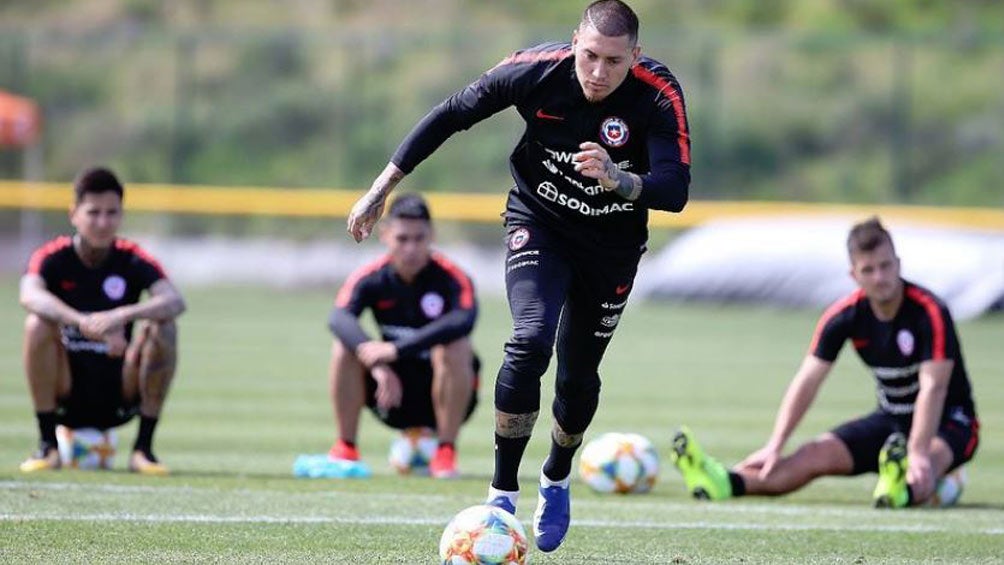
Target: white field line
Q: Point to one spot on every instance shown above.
(399, 521)
(863, 514)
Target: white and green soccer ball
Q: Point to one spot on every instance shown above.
(86, 448)
(622, 463)
(412, 450)
(482, 535)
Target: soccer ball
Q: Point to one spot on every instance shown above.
(949, 489)
(483, 535)
(86, 448)
(411, 451)
(621, 463)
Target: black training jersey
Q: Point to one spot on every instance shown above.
(437, 307)
(119, 280)
(642, 125)
(922, 330)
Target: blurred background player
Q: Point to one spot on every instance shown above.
(606, 140)
(925, 425)
(84, 364)
(423, 370)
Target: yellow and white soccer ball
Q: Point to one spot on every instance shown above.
(86, 448)
(412, 450)
(949, 489)
(481, 535)
(619, 463)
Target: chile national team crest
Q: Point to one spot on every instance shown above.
(114, 287)
(614, 132)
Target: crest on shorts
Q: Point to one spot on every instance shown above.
(519, 238)
(614, 132)
(432, 304)
(904, 339)
(114, 287)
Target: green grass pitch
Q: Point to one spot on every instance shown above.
(251, 394)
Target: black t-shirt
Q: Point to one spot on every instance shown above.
(119, 280)
(922, 330)
(437, 307)
(642, 125)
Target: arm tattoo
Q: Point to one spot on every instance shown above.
(627, 185)
(514, 425)
(563, 438)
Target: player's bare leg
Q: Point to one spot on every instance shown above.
(452, 383)
(48, 374)
(823, 456)
(150, 364)
(346, 380)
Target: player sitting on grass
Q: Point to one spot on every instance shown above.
(85, 365)
(925, 424)
(423, 372)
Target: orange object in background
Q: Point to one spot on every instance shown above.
(20, 120)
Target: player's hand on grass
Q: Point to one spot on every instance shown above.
(920, 475)
(594, 162)
(373, 353)
(388, 391)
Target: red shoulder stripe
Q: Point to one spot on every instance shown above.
(43, 253)
(345, 293)
(834, 309)
(667, 89)
(937, 320)
(466, 288)
(534, 57)
(135, 249)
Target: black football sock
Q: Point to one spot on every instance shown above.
(46, 430)
(508, 454)
(558, 465)
(738, 484)
(144, 438)
(909, 496)
(447, 444)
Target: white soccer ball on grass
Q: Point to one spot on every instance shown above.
(412, 450)
(86, 448)
(621, 463)
(481, 535)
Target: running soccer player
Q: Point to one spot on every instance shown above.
(423, 372)
(606, 140)
(85, 365)
(925, 424)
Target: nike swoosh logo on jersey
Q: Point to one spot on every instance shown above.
(859, 343)
(68, 285)
(621, 289)
(385, 304)
(545, 116)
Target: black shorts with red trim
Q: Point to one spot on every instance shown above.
(95, 399)
(865, 436)
(416, 410)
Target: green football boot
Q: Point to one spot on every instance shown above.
(891, 490)
(706, 478)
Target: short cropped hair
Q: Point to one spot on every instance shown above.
(612, 18)
(409, 206)
(867, 236)
(96, 180)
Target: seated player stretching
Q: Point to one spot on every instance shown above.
(925, 424)
(423, 372)
(86, 367)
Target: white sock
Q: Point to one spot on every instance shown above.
(546, 482)
(511, 495)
